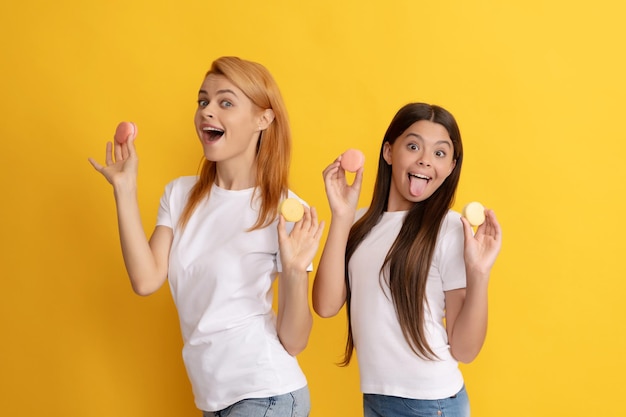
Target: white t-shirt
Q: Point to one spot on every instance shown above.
(387, 364)
(221, 278)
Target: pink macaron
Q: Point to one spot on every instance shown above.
(352, 160)
(124, 130)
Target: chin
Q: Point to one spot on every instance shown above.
(419, 199)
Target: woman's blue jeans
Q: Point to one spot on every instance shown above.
(293, 404)
(386, 406)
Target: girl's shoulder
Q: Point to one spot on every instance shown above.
(360, 213)
(452, 215)
(451, 223)
(451, 235)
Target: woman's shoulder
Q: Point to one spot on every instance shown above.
(185, 182)
(180, 186)
(292, 194)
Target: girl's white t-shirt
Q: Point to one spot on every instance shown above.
(387, 364)
(221, 279)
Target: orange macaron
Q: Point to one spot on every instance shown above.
(125, 130)
(352, 160)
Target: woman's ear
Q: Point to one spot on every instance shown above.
(266, 119)
(387, 152)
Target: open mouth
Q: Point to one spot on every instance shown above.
(212, 134)
(418, 183)
(419, 177)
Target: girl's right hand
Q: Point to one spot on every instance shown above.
(342, 197)
(121, 163)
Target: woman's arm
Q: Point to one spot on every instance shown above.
(146, 261)
(297, 249)
(329, 287)
(466, 308)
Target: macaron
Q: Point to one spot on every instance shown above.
(124, 130)
(474, 212)
(291, 209)
(352, 160)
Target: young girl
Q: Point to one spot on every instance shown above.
(220, 242)
(406, 266)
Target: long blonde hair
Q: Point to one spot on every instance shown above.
(273, 148)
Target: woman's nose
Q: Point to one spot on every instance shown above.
(208, 111)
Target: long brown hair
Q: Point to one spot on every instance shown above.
(273, 148)
(410, 256)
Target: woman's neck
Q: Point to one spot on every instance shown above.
(231, 176)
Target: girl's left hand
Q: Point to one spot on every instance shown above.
(482, 247)
(298, 248)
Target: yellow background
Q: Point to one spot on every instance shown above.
(537, 88)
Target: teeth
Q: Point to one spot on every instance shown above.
(212, 129)
(424, 177)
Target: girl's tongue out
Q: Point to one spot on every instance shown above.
(417, 185)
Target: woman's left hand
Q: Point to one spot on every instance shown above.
(298, 248)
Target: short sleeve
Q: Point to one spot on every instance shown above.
(164, 215)
(450, 253)
(360, 213)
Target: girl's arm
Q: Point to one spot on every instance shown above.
(466, 309)
(297, 250)
(146, 261)
(329, 288)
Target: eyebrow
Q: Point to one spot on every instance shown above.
(226, 90)
(439, 142)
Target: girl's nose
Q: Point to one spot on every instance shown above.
(423, 161)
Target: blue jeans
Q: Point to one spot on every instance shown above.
(386, 406)
(293, 404)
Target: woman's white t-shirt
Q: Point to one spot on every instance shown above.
(221, 278)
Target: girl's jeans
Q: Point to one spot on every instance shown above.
(386, 406)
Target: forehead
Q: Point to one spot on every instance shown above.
(214, 83)
(426, 130)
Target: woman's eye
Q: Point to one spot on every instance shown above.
(203, 103)
(226, 103)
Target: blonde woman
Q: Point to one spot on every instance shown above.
(220, 242)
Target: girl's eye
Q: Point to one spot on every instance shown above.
(203, 103)
(413, 146)
(440, 154)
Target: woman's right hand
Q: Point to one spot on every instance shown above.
(121, 163)
(342, 197)
(146, 261)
